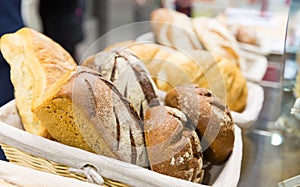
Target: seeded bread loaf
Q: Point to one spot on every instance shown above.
(173, 147)
(37, 64)
(210, 116)
(129, 75)
(90, 113)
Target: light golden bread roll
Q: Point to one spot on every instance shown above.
(210, 116)
(173, 147)
(90, 113)
(246, 35)
(170, 68)
(129, 75)
(217, 39)
(173, 29)
(37, 64)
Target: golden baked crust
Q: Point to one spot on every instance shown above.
(170, 68)
(173, 29)
(216, 38)
(37, 64)
(89, 112)
(173, 147)
(129, 75)
(210, 116)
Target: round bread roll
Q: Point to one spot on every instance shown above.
(173, 147)
(246, 35)
(210, 116)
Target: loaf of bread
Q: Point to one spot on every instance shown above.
(170, 68)
(217, 39)
(246, 35)
(173, 147)
(129, 75)
(210, 116)
(173, 29)
(90, 113)
(37, 64)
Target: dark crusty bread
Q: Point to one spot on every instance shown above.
(129, 75)
(88, 112)
(173, 148)
(210, 116)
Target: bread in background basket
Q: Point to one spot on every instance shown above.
(86, 110)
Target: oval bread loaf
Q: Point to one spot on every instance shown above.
(210, 116)
(173, 147)
(89, 112)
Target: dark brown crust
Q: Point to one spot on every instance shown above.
(173, 149)
(108, 125)
(210, 116)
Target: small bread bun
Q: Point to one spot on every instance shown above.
(173, 148)
(210, 116)
(246, 35)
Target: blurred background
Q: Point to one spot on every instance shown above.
(271, 146)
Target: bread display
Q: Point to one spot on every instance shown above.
(89, 112)
(210, 116)
(109, 105)
(177, 30)
(129, 75)
(170, 26)
(37, 64)
(173, 147)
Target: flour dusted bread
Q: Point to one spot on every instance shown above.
(173, 147)
(37, 64)
(129, 75)
(173, 29)
(210, 116)
(89, 112)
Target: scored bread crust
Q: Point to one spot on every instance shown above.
(170, 68)
(173, 147)
(89, 112)
(217, 39)
(129, 75)
(37, 64)
(173, 29)
(210, 116)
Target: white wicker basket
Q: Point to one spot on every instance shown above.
(41, 154)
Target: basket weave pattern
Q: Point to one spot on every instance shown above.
(21, 158)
